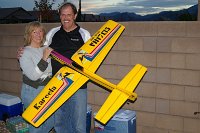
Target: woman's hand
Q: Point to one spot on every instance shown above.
(46, 53)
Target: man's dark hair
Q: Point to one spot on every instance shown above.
(66, 4)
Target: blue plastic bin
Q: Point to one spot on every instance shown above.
(10, 106)
(124, 121)
(89, 116)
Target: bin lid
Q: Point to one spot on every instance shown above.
(8, 100)
(123, 115)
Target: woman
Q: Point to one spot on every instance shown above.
(36, 68)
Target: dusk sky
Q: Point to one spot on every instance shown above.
(141, 7)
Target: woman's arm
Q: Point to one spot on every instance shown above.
(33, 66)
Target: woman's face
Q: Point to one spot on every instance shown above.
(37, 36)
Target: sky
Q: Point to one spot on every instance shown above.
(141, 7)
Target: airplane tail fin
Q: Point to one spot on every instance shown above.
(129, 83)
(124, 90)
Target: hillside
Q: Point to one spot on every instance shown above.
(189, 14)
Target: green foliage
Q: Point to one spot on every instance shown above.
(44, 7)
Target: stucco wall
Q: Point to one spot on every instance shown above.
(168, 95)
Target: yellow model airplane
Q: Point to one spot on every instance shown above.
(79, 70)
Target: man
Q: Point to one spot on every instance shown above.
(71, 116)
(66, 40)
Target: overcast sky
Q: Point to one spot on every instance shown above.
(141, 7)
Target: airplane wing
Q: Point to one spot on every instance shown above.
(60, 88)
(93, 52)
(120, 95)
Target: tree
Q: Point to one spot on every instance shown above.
(79, 12)
(44, 8)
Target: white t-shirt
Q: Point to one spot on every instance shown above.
(29, 63)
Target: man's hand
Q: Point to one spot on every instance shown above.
(20, 51)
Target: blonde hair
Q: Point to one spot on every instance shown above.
(30, 27)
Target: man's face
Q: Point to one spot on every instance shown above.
(67, 18)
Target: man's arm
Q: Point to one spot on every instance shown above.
(20, 51)
(50, 35)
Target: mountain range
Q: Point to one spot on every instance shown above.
(189, 14)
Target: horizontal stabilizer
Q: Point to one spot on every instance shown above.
(125, 90)
(115, 100)
(132, 79)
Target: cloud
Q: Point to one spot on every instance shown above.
(161, 3)
(26, 4)
(105, 6)
(138, 6)
(150, 6)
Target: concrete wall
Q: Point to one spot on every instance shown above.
(169, 94)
